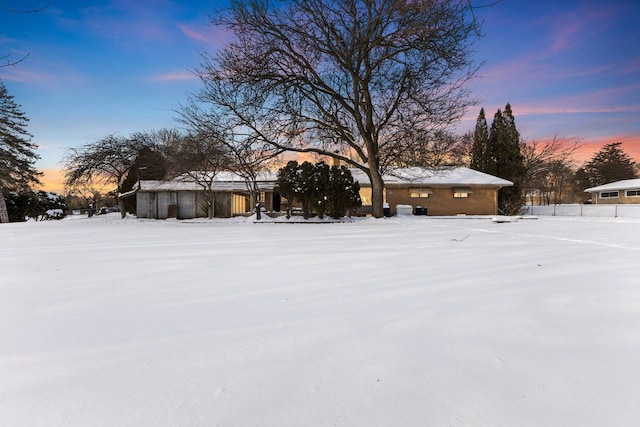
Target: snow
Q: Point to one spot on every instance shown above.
(404, 321)
(626, 184)
(445, 176)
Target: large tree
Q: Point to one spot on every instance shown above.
(17, 152)
(499, 153)
(244, 154)
(480, 155)
(548, 167)
(356, 80)
(610, 164)
(104, 162)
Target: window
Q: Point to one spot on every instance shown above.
(461, 193)
(419, 193)
(633, 193)
(609, 195)
(365, 196)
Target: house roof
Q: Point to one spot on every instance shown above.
(625, 184)
(441, 176)
(223, 181)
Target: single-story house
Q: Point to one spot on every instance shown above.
(434, 191)
(437, 191)
(184, 198)
(626, 191)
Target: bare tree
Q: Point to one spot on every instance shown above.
(7, 59)
(348, 79)
(437, 148)
(546, 163)
(104, 162)
(243, 154)
(199, 157)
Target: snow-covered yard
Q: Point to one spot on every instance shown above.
(396, 322)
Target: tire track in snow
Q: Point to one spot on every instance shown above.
(543, 236)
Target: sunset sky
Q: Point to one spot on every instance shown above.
(569, 68)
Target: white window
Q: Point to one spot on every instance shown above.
(633, 193)
(609, 195)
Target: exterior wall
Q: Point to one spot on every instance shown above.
(187, 207)
(146, 205)
(483, 201)
(164, 199)
(222, 205)
(622, 198)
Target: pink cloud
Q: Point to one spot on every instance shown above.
(24, 75)
(210, 35)
(174, 76)
(578, 26)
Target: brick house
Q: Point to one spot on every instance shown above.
(616, 193)
(436, 191)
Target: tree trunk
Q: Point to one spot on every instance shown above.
(4, 213)
(122, 207)
(211, 204)
(377, 193)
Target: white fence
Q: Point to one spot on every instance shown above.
(604, 211)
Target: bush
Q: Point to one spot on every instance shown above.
(38, 205)
(319, 189)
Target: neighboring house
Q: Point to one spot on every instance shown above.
(438, 191)
(620, 192)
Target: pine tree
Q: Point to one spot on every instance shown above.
(17, 152)
(610, 164)
(342, 193)
(510, 163)
(479, 149)
(497, 152)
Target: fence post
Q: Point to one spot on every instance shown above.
(616, 214)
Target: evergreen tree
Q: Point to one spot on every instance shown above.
(149, 164)
(287, 182)
(509, 163)
(17, 152)
(306, 188)
(496, 139)
(498, 152)
(342, 193)
(319, 188)
(321, 185)
(610, 164)
(480, 147)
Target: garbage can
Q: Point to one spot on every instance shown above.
(421, 210)
(386, 210)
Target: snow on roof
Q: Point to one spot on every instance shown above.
(625, 184)
(446, 176)
(441, 176)
(223, 181)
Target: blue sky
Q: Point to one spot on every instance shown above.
(569, 68)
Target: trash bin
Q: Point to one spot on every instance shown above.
(386, 210)
(421, 210)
